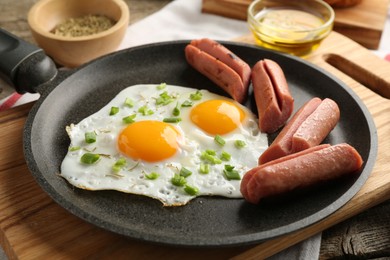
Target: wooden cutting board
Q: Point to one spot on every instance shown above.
(363, 23)
(32, 226)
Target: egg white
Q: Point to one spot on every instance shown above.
(194, 141)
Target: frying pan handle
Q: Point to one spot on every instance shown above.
(23, 65)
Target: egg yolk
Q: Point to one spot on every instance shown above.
(217, 116)
(149, 140)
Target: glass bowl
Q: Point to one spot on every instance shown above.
(294, 27)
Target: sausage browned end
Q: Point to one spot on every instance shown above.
(221, 66)
(307, 128)
(272, 95)
(299, 170)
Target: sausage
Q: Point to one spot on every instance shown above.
(247, 176)
(303, 169)
(282, 145)
(221, 66)
(317, 126)
(220, 52)
(272, 95)
(307, 128)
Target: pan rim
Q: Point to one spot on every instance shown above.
(200, 242)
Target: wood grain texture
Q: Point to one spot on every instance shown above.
(365, 235)
(362, 23)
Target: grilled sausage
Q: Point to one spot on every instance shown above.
(247, 176)
(317, 126)
(221, 66)
(220, 52)
(307, 128)
(272, 95)
(299, 170)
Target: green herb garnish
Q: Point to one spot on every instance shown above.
(239, 144)
(172, 119)
(74, 148)
(204, 168)
(176, 110)
(211, 152)
(152, 176)
(219, 140)
(164, 99)
(114, 110)
(210, 156)
(225, 156)
(89, 158)
(191, 190)
(145, 111)
(129, 119)
(230, 173)
(178, 180)
(196, 96)
(90, 137)
(129, 102)
(187, 103)
(161, 86)
(119, 164)
(185, 172)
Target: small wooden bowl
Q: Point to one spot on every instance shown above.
(69, 51)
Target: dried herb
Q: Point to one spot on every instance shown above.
(83, 26)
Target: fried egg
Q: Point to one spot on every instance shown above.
(166, 142)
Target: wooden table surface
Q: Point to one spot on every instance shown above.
(365, 235)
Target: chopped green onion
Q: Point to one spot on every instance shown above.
(129, 102)
(210, 157)
(211, 152)
(176, 110)
(225, 156)
(119, 164)
(219, 140)
(89, 158)
(161, 86)
(152, 176)
(191, 190)
(145, 111)
(172, 119)
(90, 137)
(196, 96)
(129, 119)
(229, 167)
(164, 99)
(185, 172)
(204, 168)
(178, 180)
(239, 144)
(187, 103)
(74, 148)
(114, 110)
(230, 173)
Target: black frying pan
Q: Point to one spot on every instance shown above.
(206, 221)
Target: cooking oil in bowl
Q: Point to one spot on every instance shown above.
(292, 29)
